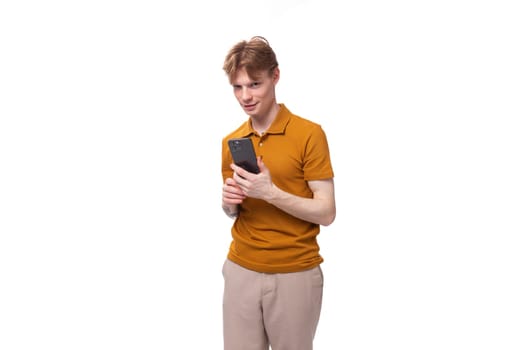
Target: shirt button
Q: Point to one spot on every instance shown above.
(260, 144)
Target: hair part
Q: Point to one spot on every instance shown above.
(255, 55)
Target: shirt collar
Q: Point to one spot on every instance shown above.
(278, 126)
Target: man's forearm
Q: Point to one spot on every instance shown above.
(231, 210)
(318, 210)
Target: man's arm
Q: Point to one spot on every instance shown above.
(320, 209)
(230, 210)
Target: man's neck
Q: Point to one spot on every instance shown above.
(262, 124)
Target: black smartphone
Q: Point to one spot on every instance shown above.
(243, 154)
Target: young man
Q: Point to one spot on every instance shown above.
(273, 280)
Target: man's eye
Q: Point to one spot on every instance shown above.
(255, 84)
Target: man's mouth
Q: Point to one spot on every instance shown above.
(250, 106)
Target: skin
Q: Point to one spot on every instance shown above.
(257, 98)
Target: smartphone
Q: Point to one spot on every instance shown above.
(243, 154)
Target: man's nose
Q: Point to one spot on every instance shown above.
(245, 94)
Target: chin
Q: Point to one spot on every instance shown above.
(251, 113)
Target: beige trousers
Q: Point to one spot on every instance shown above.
(280, 310)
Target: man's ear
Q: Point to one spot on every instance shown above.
(276, 74)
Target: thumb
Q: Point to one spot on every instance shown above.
(260, 164)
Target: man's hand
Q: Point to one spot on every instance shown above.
(254, 185)
(232, 194)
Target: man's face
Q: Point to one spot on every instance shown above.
(256, 97)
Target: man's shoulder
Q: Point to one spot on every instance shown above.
(298, 119)
(304, 125)
(303, 120)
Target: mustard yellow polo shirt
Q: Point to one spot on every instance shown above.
(265, 238)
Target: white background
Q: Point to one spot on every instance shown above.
(112, 113)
